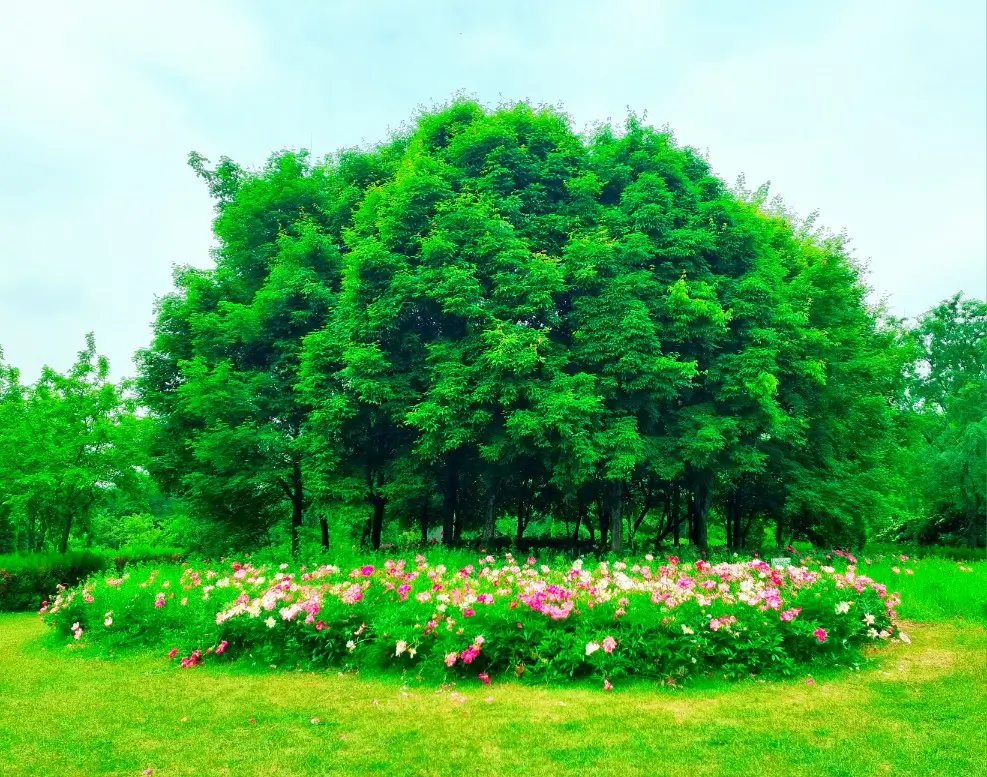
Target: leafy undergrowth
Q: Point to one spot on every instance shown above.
(492, 619)
(915, 711)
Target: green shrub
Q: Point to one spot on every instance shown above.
(26, 581)
(555, 622)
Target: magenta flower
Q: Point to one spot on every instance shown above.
(367, 570)
(221, 648)
(484, 678)
(820, 634)
(173, 652)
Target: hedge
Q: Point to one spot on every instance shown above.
(26, 581)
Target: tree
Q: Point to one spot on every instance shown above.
(948, 393)
(71, 442)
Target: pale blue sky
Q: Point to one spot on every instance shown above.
(874, 113)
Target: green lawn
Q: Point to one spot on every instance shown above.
(918, 710)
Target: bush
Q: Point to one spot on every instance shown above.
(26, 581)
(669, 620)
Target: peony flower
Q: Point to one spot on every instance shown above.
(173, 652)
(400, 647)
(367, 570)
(820, 634)
(351, 646)
(451, 658)
(221, 647)
(270, 623)
(484, 678)
(904, 638)
(592, 647)
(842, 607)
(609, 643)
(869, 619)
(687, 630)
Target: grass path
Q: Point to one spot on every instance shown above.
(918, 710)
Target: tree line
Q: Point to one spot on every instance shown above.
(492, 327)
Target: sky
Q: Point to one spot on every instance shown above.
(872, 113)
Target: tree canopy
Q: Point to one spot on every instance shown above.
(492, 318)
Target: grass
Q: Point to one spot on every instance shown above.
(917, 710)
(912, 710)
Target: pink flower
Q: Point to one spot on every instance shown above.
(820, 634)
(484, 678)
(607, 685)
(451, 658)
(159, 601)
(173, 652)
(608, 644)
(367, 570)
(469, 612)
(789, 615)
(810, 681)
(221, 647)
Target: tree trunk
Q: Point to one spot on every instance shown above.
(63, 545)
(615, 504)
(488, 516)
(377, 520)
(449, 497)
(703, 499)
(676, 515)
(579, 519)
(324, 528)
(297, 505)
(522, 520)
(423, 521)
(780, 532)
(691, 513)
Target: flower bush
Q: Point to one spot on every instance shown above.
(491, 619)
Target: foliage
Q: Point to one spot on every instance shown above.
(26, 581)
(947, 394)
(492, 319)
(71, 447)
(492, 619)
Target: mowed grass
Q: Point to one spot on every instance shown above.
(911, 710)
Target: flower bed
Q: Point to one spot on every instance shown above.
(492, 619)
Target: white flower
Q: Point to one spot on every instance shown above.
(108, 621)
(441, 608)
(687, 630)
(222, 582)
(412, 651)
(869, 619)
(904, 638)
(270, 623)
(351, 646)
(401, 647)
(884, 634)
(842, 607)
(872, 633)
(592, 647)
